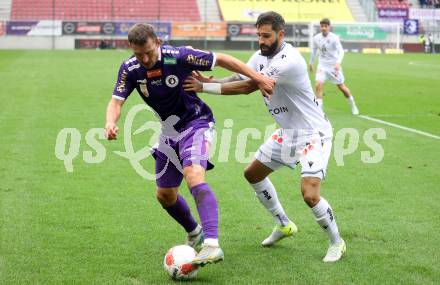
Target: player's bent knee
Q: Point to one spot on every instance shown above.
(166, 197)
(256, 172)
(252, 176)
(310, 190)
(194, 175)
(311, 199)
(248, 174)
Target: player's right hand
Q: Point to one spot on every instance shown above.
(200, 77)
(111, 131)
(192, 84)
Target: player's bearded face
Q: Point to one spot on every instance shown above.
(268, 40)
(268, 50)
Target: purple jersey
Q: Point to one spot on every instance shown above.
(161, 86)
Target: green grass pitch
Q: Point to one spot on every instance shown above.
(101, 223)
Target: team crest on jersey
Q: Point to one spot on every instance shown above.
(271, 71)
(171, 81)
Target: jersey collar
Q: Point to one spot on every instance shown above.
(283, 44)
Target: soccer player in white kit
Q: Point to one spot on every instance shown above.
(329, 67)
(304, 136)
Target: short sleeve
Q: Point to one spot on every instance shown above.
(123, 86)
(252, 64)
(195, 59)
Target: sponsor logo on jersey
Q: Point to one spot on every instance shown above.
(280, 110)
(194, 60)
(121, 85)
(157, 82)
(154, 73)
(261, 67)
(171, 81)
(170, 60)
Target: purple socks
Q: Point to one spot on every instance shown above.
(207, 208)
(182, 214)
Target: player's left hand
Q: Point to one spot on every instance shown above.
(200, 77)
(337, 67)
(266, 85)
(192, 84)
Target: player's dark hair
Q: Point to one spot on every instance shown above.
(140, 33)
(271, 18)
(325, 21)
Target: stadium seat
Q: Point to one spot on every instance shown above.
(393, 4)
(173, 10)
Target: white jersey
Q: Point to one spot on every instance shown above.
(293, 104)
(329, 47)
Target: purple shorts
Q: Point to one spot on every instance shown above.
(173, 155)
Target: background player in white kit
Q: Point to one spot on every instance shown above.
(305, 136)
(329, 67)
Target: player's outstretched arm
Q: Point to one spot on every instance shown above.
(239, 87)
(229, 88)
(265, 84)
(112, 117)
(205, 79)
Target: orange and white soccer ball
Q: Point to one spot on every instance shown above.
(177, 262)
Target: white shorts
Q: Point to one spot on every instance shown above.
(283, 148)
(328, 73)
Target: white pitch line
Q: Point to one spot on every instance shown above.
(423, 64)
(400, 127)
(402, 115)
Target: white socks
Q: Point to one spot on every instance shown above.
(211, 242)
(326, 219)
(266, 193)
(351, 101)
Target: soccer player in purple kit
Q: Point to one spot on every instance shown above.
(157, 73)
